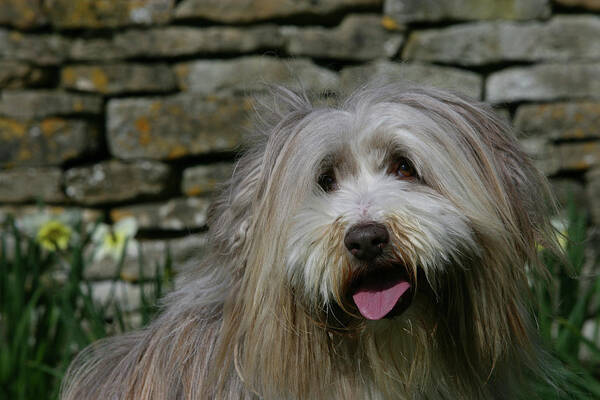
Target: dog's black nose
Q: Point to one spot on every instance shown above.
(367, 241)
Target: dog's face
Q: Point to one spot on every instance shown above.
(374, 225)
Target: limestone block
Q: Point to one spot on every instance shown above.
(23, 14)
(118, 78)
(403, 11)
(466, 82)
(242, 11)
(17, 75)
(575, 120)
(544, 82)
(40, 49)
(175, 126)
(247, 74)
(479, 43)
(579, 156)
(31, 184)
(176, 214)
(203, 179)
(26, 104)
(70, 14)
(543, 154)
(113, 181)
(358, 37)
(177, 41)
(51, 141)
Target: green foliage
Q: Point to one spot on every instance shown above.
(47, 313)
(563, 305)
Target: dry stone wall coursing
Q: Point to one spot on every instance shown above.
(137, 108)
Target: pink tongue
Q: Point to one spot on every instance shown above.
(377, 303)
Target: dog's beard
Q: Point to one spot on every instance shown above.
(429, 238)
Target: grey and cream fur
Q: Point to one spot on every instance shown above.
(269, 314)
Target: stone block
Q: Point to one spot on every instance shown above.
(17, 75)
(98, 49)
(544, 82)
(578, 156)
(72, 14)
(178, 214)
(39, 49)
(404, 11)
(178, 41)
(175, 41)
(543, 154)
(203, 179)
(31, 184)
(250, 74)
(141, 260)
(466, 82)
(118, 78)
(175, 126)
(479, 43)
(358, 37)
(114, 181)
(28, 104)
(23, 14)
(243, 11)
(576, 120)
(51, 141)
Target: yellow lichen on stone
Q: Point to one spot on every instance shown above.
(99, 80)
(142, 125)
(68, 76)
(389, 24)
(50, 126)
(177, 151)
(11, 129)
(193, 191)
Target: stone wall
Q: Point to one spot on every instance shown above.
(125, 108)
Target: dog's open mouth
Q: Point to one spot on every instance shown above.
(382, 294)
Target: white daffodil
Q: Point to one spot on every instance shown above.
(110, 240)
(52, 229)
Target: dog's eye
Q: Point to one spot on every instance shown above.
(403, 168)
(327, 181)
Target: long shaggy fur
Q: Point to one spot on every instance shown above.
(267, 313)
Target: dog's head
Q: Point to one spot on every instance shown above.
(396, 205)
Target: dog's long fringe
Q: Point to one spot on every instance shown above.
(235, 330)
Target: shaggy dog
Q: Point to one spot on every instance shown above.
(379, 248)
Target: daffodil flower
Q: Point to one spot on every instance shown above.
(54, 235)
(111, 240)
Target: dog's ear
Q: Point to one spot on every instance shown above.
(230, 216)
(522, 193)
